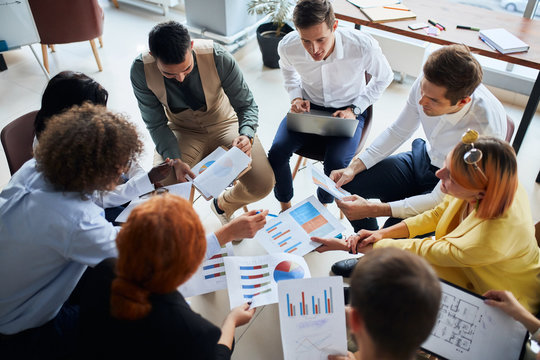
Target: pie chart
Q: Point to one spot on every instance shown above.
(286, 270)
(205, 166)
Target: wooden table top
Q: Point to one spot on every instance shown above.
(452, 14)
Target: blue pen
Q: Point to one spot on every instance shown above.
(272, 215)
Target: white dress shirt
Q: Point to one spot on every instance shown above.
(339, 80)
(484, 113)
(137, 184)
(47, 239)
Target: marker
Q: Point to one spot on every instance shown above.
(394, 8)
(442, 26)
(467, 27)
(249, 304)
(437, 25)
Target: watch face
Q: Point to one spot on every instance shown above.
(356, 110)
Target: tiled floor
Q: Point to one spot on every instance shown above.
(125, 36)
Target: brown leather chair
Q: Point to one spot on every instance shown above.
(67, 21)
(17, 138)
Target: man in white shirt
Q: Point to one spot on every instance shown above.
(324, 68)
(446, 100)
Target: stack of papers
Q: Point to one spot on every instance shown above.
(218, 170)
(503, 41)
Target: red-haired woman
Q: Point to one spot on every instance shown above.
(484, 235)
(131, 308)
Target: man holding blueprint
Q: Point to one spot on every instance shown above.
(324, 69)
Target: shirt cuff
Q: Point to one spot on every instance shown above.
(143, 184)
(366, 159)
(247, 130)
(295, 93)
(212, 245)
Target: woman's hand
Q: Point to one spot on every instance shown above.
(363, 241)
(241, 315)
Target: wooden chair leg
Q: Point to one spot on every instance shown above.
(100, 41)
(305, 162)
(96, 55)
(295, 171)
(115, 2)
(245, 208)
(341, 215)
(52, 48)
(45, 57)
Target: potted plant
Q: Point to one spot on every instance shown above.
(269, 34)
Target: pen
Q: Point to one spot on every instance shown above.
(488, 44)
(394, 8)
(467, 27)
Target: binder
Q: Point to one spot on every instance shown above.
(503, 41)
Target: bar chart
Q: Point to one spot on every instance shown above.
(311, 220)
(310, 305)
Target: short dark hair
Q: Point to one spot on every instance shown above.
(86, 148)
(455, 68)
(308, 13)
(169, 42)
(64, 90)
(398, 295)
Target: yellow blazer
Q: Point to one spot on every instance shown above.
(477, 254)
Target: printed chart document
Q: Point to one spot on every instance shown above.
(469, 329)
(218, 170)
(211, 275)
(255, 278)
(312, 318)
(324, 182)
(180, 189)
(292, 230)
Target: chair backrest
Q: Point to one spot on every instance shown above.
(316, 152)
(509, 128)
(67, 21)
(17, 138)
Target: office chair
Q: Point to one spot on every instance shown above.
(17, 138)
(67, 21)
(509, 128)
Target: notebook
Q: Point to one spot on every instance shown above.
(383, 14)
(373, 3)
(503, 41)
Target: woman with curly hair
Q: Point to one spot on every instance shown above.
(484, 235)
(131, 307)
(69, 88)
(50, 230)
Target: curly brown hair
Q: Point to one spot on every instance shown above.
(86, 148)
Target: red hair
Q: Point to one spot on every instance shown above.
(499, 164)
(159, 247)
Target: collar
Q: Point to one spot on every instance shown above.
(455, 117)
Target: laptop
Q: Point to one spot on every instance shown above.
(320, 122)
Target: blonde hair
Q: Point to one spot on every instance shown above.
(159, 247)
(499, 165)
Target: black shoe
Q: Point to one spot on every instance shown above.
(344, 267)
(346, 293)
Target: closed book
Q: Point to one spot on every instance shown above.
(364, 4)
(503, 41)
(387, 14)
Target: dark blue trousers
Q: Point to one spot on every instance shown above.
(395, 178)
(339, 152)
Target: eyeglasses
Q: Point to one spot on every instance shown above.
(474, 155)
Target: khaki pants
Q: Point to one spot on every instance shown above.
(196, 144)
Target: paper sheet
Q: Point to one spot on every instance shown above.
(255, 278)
(211, 275)
(324, 182)
(180, 189)
(469, 329)
(291, 231)
(214, 175)
(312, 318)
